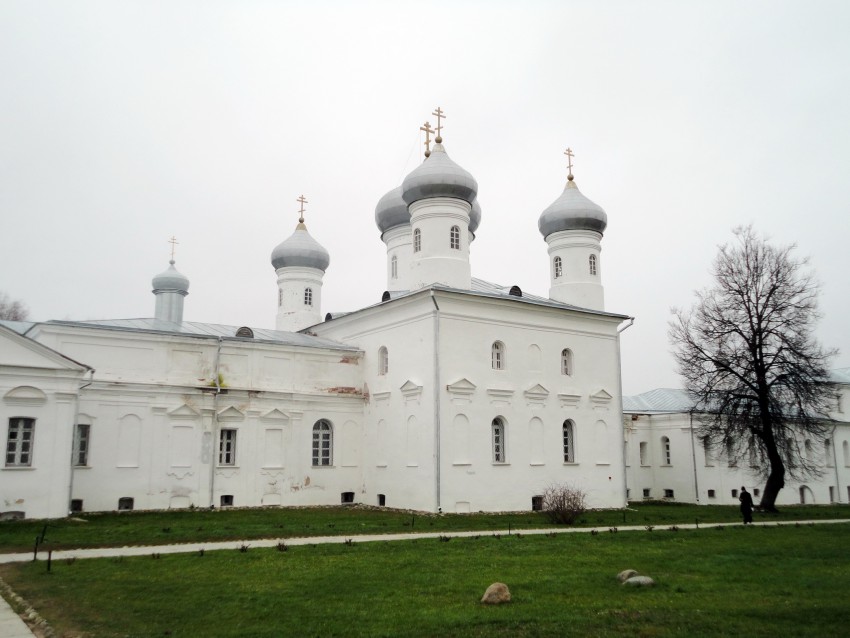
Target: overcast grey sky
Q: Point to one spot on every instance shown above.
(124, 123)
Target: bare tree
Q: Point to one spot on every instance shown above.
(12, 310)
(749, 359)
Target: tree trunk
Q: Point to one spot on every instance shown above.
(776, 478)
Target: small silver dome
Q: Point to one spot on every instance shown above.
(171, 279)
(439, 176)
(474, 216)
(300, 250)
(391, 211)
(572, 211)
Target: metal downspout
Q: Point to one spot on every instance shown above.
(214, 424)
(437, 392)
(835, 463)
(694, 455)
(74, 436)
(620, 395)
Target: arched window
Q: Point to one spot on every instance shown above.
(592, 264)
(454, 238)
(417, 240)
(383, 361)
(394, 267)
(558, 266)
(827, 452)
(323, 443)
(807, 449)
(308, 296)
(498, 355)
(498, 428)
(569, 442)
(643, 453)
(845, 448)
(566, 361)
(665, 450)
(706, 446)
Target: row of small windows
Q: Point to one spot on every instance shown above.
(808, 453)
(558, 266)
(498, 440)
(497, 356)
(454, 242)
(308, 297)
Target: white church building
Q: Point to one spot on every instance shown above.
(452, 394)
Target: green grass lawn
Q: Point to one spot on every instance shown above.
(182, 526)
(755, 581)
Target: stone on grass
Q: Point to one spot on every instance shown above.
(640, 581)
(496, 594)
(624, 575)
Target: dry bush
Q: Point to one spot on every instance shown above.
(564, 503)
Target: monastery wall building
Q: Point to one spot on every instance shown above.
(452, 394)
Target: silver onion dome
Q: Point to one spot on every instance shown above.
(391, 211)
(572, 211)
(474, 216)
(439, 176)
(170, 279)
(300, 250)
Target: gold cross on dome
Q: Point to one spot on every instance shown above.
(301, 200)
(173, 241)
(428, 130)
(439, 115)
(570, 155)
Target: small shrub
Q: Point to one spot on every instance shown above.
(243, 548)
(282, 547)
(349, 541)
(563, 503)
(445, 539)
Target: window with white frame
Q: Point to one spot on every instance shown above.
(591, 261)
(454, 238)
(827, 452)
(566, 361)
(497, 353)
(227, 447)
(308, 296)
(558, 266)
(665, 450)
(81, 444)
(394, 267)
(323, 439)
(383, 361)
(19, 442)
(568, 432)
(643, 453)
(498, 429)
(417, 240)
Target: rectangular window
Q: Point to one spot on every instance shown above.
(710, 493)
(81, 445)
(646, 492)
(734, 493)
(668, 493)
(756, 492)
(226, 500)
(643, 454)
(227, 447)
(19, 442)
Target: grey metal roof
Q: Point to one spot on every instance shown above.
(20, 327)
(391, 211)
(439, 176)
(572, 211)
(300, 250)
(840, 375)
(658, 400)
(211, 330)
(170, 279)
(481, 288)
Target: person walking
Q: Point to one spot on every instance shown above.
(746, 505)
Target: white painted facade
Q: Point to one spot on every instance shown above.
(666, 459)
